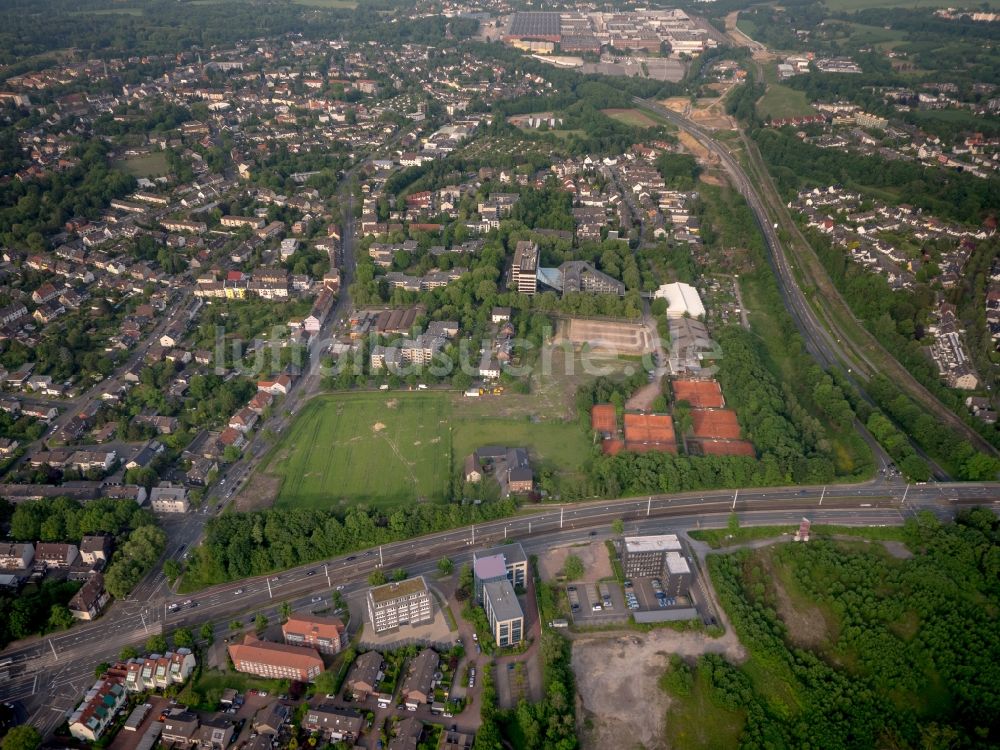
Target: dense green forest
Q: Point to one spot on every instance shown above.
(852, 647)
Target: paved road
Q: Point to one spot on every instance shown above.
(50, 674)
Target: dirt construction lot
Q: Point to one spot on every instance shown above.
(619, 703)
(594, 557)
(606, 335)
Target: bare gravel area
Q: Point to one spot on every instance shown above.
(619, 702)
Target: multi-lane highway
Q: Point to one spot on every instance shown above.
(49, 674)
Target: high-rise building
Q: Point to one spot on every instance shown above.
(524, 271)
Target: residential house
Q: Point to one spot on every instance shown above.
(89, 601)
(94, 549)
(271, 718)
(277, 387)
(215, 733)
(243, 420)
(179, 728)
(336, 724)
(201, 469)
(408, 734)
(157, 672)
(418, 687)
(364, 675)
(98, 710)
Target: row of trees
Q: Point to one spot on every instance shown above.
(249, 544)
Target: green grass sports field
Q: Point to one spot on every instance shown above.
(365, 448)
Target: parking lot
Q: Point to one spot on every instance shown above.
(588, 594)
(645, 595)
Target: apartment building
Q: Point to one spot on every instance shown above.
(276, 660)
(326, 634)
(168, 498)
(158, 672)
(236, 222)
(403, 603)
(524, 271)
(14, 556)
(56, 554)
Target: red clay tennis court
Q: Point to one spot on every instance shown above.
(645, 432)
(651, 447)
(726, 448)
(701, 394)
(612, 446)
(602, 418)
(719, 424)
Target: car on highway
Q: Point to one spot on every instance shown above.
(187, 603)
(316, 599)
(352, 558)
(238, 592)
(340, 587)
(174, 606)
(311, 573)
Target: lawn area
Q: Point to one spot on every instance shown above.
(781, 101)
(150, 165)
(389, 448)
(559, 446)
(695, 721)
(636, 118)
(205, 689)
(376, 448)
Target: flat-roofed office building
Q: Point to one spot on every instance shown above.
(503, 612)
(399, 603)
